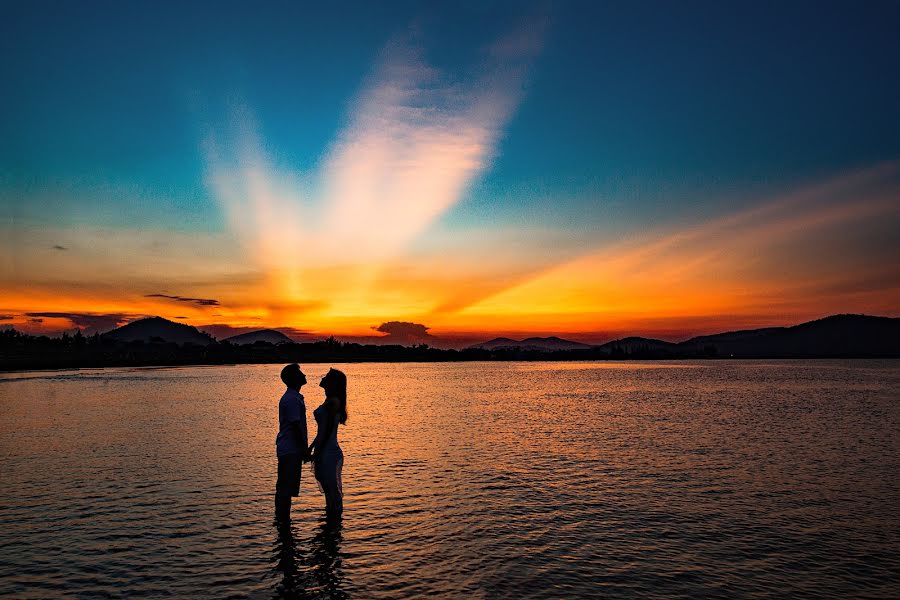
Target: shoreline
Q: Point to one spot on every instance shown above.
(344, 360)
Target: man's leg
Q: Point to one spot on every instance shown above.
(282, 507)
(288, 485)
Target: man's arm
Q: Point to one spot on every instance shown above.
(300, 433)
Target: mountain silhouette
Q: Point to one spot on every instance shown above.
(500, 342)
(544, 344)
(638, 344)
(263, 335)
(153, 329)
(837, 335)
(834, 336)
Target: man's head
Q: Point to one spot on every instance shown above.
(293, 377)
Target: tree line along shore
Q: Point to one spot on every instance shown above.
(839, 336)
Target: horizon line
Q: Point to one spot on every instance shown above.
(485, 336)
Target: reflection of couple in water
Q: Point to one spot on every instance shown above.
(324, 452)
(315, 573)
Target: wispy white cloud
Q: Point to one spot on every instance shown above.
(266, 208)
(415, 144)
(414, 141)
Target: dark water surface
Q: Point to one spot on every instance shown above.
(475, 480)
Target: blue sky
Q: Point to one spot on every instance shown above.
(702, 96)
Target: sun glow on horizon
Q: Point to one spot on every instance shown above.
(758, 267)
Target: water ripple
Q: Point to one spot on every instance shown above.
(518, 480)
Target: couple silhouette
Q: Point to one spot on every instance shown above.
(293, 447)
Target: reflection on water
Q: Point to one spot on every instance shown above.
(469, 480)
(310, 568)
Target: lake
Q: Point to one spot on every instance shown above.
(470, 480)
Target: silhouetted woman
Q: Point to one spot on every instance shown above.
(326, 453)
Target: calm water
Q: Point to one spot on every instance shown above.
(476, 480)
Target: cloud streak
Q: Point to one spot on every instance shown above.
(91, 322)
(197, 301)
(221, 331)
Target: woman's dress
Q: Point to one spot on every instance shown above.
(330, 459)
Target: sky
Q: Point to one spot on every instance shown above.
(448, 172)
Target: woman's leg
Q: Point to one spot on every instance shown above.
(334, 502)
(330, 483)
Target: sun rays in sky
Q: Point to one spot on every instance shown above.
(406, 213)
(410, 149)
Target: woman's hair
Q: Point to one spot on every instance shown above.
(335, 385)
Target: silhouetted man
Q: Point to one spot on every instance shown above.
(291, 444)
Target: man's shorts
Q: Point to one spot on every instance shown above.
(289, 475)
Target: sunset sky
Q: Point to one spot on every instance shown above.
(448, 173)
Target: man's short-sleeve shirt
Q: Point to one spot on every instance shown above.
(291, 409)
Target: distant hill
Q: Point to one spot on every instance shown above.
(263, 335)
(733, 336)
(500, 342)
(552, 343)
(545, 344)
(834, 336)
(159, 329)
(639, 344)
